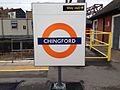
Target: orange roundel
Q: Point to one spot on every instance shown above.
(55, 27)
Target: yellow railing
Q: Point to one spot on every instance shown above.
(93, 41)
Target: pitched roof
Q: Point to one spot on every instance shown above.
(9, 10)
(13, 10)
(114, 5)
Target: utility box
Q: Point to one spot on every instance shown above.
(59, 34)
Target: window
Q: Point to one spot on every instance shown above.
(24, 26)
(16, 45)
(14, 24)
(28, 45)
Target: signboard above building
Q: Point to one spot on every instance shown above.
(59, 34)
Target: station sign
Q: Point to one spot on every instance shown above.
(59, 34)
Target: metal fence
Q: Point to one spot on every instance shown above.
(26, 54)
(100, 42)
(11, 50)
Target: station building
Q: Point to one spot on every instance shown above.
(16, 31)
(108, 20)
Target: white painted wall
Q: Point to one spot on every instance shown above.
(0, 28)
(22, 31)
(8, 30)
(12, 14)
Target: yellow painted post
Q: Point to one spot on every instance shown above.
(91, 39)
(109, 46)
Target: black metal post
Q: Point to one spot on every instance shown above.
(59, 85)
(59, 76)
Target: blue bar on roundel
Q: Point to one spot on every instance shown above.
(59, 41)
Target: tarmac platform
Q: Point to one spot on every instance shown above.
(96, 75)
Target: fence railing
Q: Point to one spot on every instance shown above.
(25, 54)
(100, 42)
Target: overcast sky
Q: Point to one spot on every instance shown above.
(26, 4)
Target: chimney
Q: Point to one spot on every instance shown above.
(1, 8)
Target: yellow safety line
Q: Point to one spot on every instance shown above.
(23, 68)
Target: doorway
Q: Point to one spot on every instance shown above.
(116, 32)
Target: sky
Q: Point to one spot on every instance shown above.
(26, 4)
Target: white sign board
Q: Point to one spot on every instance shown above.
(59, 34)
